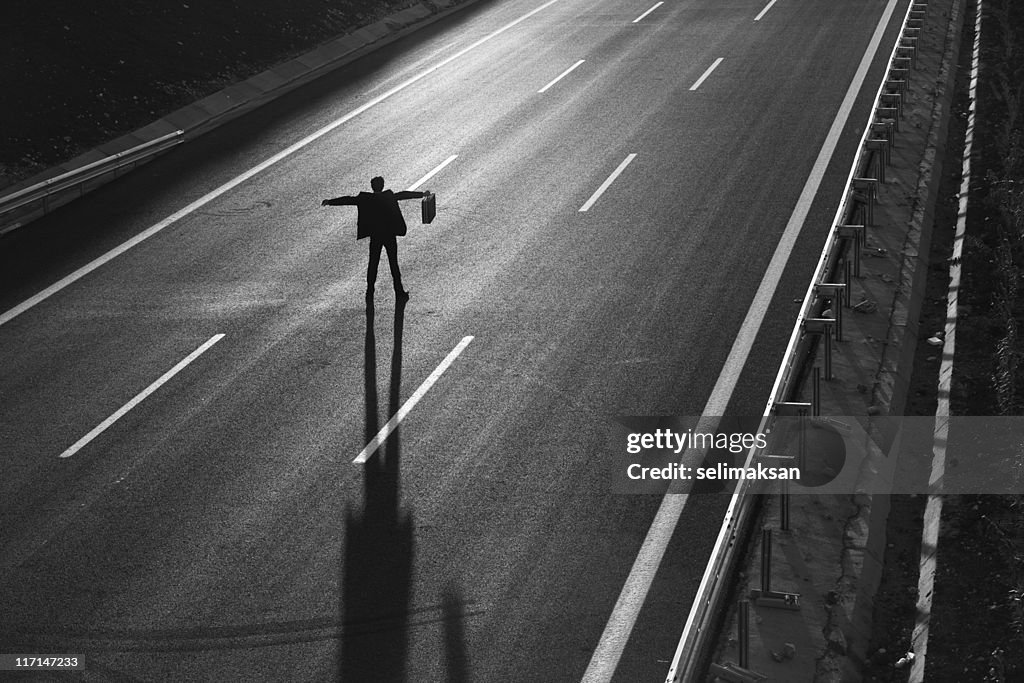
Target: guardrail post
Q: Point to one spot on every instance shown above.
(834, 290)
(899, 85)
(801, 443)
(911, 48)
(889, 114)
(899, 75)
(815, 391)
(784, 505)
(909, 42)
(893, 100)
(856, 233)
(743, 632)
(878, 147)
(866, 191)
(910, 38)
(885, 128)
(822, 327)
(847, 280)
(881, 144)
(766, 560)
(799, 410)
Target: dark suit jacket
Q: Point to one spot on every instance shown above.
(379, 213)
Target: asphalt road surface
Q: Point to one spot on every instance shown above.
(217, 528)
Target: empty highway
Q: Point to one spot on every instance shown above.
(180, 418)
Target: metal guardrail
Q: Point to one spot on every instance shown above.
(873, 154)
(43, 191)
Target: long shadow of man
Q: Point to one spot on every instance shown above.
(377, 571)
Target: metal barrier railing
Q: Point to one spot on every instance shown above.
(845, 236)
(45, 190)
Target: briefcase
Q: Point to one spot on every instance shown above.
(429, 207)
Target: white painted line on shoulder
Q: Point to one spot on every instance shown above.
(706, 73)
(610, 647)
(561, 76)
(386, 430)
(656, 6)
(604, 186)
(238, 180)
(140, 397)
(764, 11)
(928, 564)
(434, 172)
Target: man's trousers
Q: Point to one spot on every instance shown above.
(389, 244)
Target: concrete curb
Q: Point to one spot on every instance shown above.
(240, 98)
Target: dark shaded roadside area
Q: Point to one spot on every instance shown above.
(977, 621)
(78, 74)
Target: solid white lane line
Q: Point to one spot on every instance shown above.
(383, 434)
(140, 397)
(561, 76)
(764, 11)
(927, 563)
(434, 172)
(605, 658)
(706, 73)
(656, 6)
(210, 196)
(604, 186)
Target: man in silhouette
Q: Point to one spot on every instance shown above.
(380, 219)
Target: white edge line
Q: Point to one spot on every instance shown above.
(656, 6)
(706, 73)
(604, 186)
(561, 76)
(764, 11)
(386, 430)
(141, 396)
(7, 316)
(434, 172)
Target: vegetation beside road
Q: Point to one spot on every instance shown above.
(1002, 237)
(78, 74)
(978, 618)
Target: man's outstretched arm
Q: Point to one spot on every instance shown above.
(339, 201)
(411, 194)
